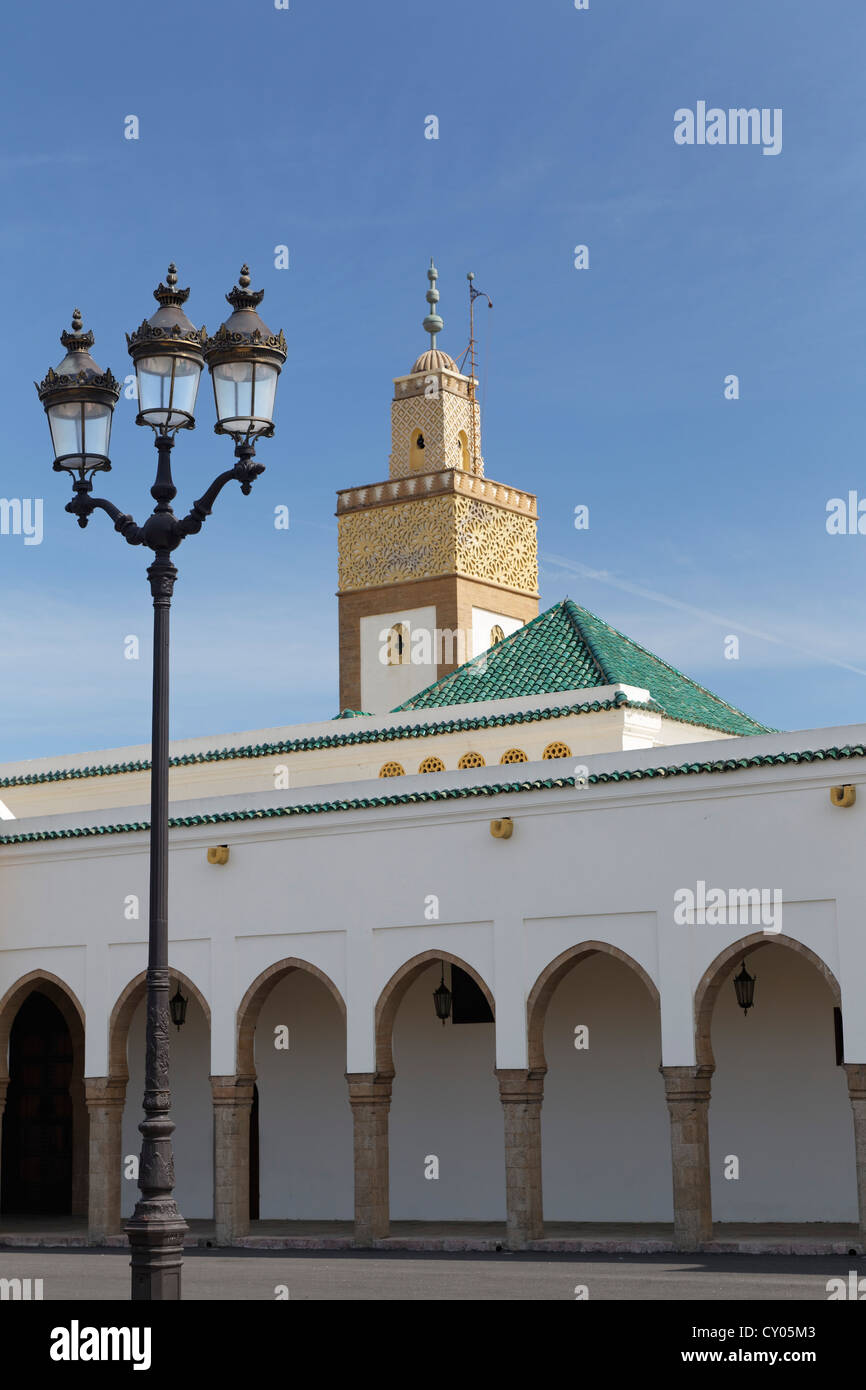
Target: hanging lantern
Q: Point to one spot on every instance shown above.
(178, 1004)
(442, 999)
(744, 987)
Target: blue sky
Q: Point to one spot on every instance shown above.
(605, 387)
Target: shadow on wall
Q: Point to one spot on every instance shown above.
(305, 1121)
(605, 1139)
(780, 1103)
(445, 1105)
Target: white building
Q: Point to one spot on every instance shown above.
(314, 909)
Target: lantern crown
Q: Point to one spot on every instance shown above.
(244, 331)
(78, 367)
(168, 329)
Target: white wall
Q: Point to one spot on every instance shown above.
(483, 619)
(384, 687)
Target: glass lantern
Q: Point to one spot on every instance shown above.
(168, 358)
(79, 400)
(245, 358)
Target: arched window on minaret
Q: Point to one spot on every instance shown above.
(463, 451)
(416, 452)
(398, 645)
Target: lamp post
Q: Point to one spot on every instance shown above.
(245, 359)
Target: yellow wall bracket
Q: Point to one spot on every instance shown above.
(843, 796)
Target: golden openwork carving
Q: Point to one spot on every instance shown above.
(441, 418)
(391, 770)
(557, 750)
(471, 760)
(514, 755)
(437, 535)
(432, 764)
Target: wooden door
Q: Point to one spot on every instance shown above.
(36, 1173)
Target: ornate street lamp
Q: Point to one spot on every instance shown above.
(79, 399)
(744, 988)
(442, 999)
(177, 1004)
(244, 358)
(168, 352)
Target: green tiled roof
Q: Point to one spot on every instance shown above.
(569, 648)
(637, 774)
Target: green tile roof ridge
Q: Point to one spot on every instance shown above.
(310, 743)
(715, 765)
(581, 614)
(569, 648)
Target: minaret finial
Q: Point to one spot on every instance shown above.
(432, 323)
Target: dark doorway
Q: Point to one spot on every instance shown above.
(36, 1175)
(254, 1155)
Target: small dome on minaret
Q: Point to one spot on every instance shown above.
(434, 359)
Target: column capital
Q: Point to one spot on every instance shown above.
(369, 1087)
(232, 1090)
(856, 1073)
(104, 1092)
(518, 1086)
(688, 1085)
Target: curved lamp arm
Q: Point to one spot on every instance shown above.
(199, 512)
(82, 506)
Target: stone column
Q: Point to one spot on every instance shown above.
(232, 1103)
(80, 1147)
(688, 1096)
(105, 1096)
(522, 1093)
(4, 1085)
(370, 1099)
(856, 1072)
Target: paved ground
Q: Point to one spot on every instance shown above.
(73, 1275)
(612, 1238)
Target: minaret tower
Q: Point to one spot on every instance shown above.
(439, 562)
